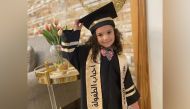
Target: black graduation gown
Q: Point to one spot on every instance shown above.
(110, 77)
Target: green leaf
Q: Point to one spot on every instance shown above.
(47, 35)
(53, 38)
(54, 33)
(50, 38)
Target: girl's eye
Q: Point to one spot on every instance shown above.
(99, 35)
(109, 32)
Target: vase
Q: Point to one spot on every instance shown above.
(56, 54)
(61, 63)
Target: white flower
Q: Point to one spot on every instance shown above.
(60, 32)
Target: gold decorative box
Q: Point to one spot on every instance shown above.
(50, 73)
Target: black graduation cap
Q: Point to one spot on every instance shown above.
(100, 17)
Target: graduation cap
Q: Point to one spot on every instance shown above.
(100, 17)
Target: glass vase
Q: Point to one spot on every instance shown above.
(60, 62)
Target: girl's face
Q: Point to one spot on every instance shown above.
(105, 36)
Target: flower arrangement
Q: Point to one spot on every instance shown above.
(52, 33)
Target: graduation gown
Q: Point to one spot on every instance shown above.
(109, 72)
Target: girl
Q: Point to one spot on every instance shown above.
(106, 81)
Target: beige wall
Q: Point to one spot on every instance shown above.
(155, 48)
(174, 63)
(176, 54)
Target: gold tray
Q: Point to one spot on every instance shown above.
(49, 74)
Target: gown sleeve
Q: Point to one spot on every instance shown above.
(70, 44)
(131, 91)
(71, 50)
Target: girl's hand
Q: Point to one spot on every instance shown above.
(135, 105)
(77, 25)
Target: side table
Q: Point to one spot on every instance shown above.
(49, 75)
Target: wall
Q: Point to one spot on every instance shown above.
(155, 48)
(175, 61)
(41, 12)
(176, 54)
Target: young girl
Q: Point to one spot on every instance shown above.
(106, 81)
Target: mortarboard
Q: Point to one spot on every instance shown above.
(100, 17)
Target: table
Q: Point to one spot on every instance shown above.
(48, 74)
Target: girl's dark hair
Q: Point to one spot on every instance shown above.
(117, 46)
